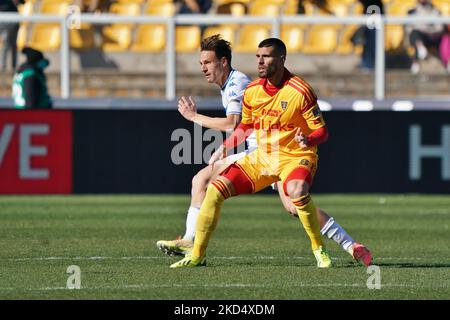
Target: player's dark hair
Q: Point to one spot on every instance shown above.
(279, 48)
(221, 47)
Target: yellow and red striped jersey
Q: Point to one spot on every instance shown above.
(277, 112)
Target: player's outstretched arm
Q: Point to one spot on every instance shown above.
(188, 109)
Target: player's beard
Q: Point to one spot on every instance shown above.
(267, 71)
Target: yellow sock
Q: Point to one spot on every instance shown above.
(209, 215)
(306, 211)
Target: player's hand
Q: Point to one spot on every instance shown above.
(219, 154)
(301, 138)
(187, 108)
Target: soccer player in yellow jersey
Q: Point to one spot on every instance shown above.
(215, 62)
(282, 110)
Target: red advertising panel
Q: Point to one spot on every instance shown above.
(35, 152)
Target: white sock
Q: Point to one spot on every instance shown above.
(335, 232)
(191, 222)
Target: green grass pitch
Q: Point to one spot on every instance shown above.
(257, 251)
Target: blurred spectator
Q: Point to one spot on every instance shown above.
(8, 32)
(30, 83)
(93, 6)
(424, 36)
(195, 6)
(369, 34)
(322, 4)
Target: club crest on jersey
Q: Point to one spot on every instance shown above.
(284, 105)
(304, 162)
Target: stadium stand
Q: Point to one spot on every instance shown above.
(345, 45)
(25, 9)
(318, 48)
(118, 36)
(250, 36)
(187, 38)
(321, 39)
(47, 36)
(226, 31)
(152, 37)
(292, 36)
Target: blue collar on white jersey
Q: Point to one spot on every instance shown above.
(226, 82)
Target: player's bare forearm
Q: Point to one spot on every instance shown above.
(222, 124)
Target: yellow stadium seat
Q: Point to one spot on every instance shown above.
(394, 37)
(117, 37)
(131, 1)
(264, 9)
(150, 38)
(250, 36)
(226, 32)
(83, 38)
(153, 2)
(346, 2)
(45, 36)
(400, 8)
(131, 9)
(25, 9)
(165, 9)
(54, 1)
(22, 35)
(291, 7)
(321, 39)
(357, 8)
(292, 36)
(223, 2)
(340, 9)
(54, 8)
(345, 46)
(443, 6)
(237, 9)
(277, 2)
(187, 38)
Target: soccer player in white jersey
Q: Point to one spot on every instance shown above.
(215, 62)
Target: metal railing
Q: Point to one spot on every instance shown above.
(374, 21)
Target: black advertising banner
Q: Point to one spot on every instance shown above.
(150, 151)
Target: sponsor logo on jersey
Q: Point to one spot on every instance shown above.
(270, 113)
(266, 125)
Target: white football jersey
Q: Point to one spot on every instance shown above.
(232, 94)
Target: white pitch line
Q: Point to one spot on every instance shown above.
(165, 257)
(226, 285)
